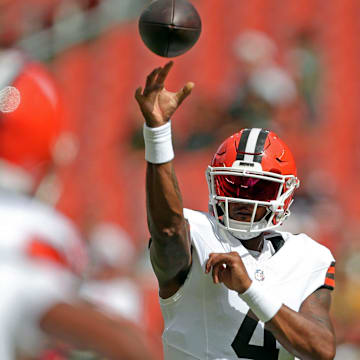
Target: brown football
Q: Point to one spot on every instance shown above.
(170, 27)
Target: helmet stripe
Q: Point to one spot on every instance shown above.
(260, 144)
(242, 145)
(251, 145)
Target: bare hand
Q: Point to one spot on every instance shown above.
(230, 270)
(156, 103)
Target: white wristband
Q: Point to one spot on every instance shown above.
(158, 144)
(264, 305)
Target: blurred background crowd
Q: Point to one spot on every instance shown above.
(289, 66)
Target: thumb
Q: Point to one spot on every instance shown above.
(184, 92)
(138, 95)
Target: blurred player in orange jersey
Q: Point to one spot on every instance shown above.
(41, 253)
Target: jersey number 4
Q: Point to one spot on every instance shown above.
(242, 339)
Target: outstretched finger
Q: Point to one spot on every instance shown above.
(164, 73)
(151, 77)
(150, 80)
(184, 92)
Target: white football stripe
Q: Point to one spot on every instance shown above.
(251, 144)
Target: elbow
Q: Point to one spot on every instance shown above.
(330, 349)
(318, 349)
(327, 351)
(329, 354)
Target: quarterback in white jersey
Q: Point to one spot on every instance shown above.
(231, 286)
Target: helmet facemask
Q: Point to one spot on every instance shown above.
(252, 187)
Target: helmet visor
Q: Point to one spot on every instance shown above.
(245, 187)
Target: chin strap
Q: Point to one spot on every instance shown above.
(243, 232)
(245, 235)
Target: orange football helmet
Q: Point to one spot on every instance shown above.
(254, 167)
(28, 133)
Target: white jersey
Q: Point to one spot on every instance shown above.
(208, 321)
(39, 252)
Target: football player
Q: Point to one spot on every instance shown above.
(231, 285)
(41, 254)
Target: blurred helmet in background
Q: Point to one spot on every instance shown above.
(253, 167)
(29, 132)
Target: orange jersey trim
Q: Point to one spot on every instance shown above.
(330, 277)
(330, 282)
(38, 249)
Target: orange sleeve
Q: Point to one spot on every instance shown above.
(330, 277)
